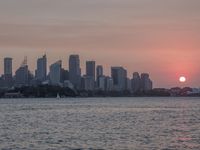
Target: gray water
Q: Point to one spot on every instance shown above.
(100, 123)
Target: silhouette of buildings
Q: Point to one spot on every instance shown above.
(75, 71)
(55, 73)
(136, 82)
(90, 69)
(99, 74)
(41, 71)
(23, 75)
(119, 75)
(8, 77)
(87, 83)
(93, 80)
(146, 83)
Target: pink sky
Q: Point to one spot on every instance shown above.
(161, 37)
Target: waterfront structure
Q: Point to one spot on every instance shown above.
(136, 82)
(146, 83)
(119, 75)
(55, 73)
(41, 72)
(75, 71)
(72, 78)
(8, 77)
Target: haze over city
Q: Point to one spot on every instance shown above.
(159, 37)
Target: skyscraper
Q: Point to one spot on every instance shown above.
(55, 73)
(99, 73)
(8, 66)
(22, 76)
(90, 69)
(75, 71)
(41, 71)
(146, 83)
(8, 72)
(87, 83)
(136, 82)
(119, 75)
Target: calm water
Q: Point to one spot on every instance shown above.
(100, 123)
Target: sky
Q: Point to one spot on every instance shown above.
(161, 37)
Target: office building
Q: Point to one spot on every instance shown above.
(90, 69)
(41, 72)
(128, 84)
(8, 77)
(87, 83)
(99, 73)
(75, 71)
(136, 82)
(119, 75)
(22, 76)
(146, 83)
(55, 73)
(109, 84)
(102, 83)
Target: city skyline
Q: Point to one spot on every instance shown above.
(159, 37)
(93, 79)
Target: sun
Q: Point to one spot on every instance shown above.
(182, 79)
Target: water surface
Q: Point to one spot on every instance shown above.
(100, 123)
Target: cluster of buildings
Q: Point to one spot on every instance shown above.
(94, 78)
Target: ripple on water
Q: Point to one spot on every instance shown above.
(100, 124)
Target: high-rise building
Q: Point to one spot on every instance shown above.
(41, 71)
(8, 66)
(22, 76)
(87, 83)
(55, 73)
(109, 84)
(75, 71)
(99, 73)
(146, 83)
(8, 72)
(119, 75)
(90, 69)
(128, 84)
(102, 83)
(136, 82)
(64, 75)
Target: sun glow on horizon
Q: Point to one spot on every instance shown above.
(182, 79)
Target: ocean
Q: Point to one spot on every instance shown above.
(100, 124)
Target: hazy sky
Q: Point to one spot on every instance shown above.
(161, 37)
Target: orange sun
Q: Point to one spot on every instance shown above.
(182, 79)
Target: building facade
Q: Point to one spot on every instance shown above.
(41, 72)
(75, 71)
(55, 73)
(8, 77)
(119, 75)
